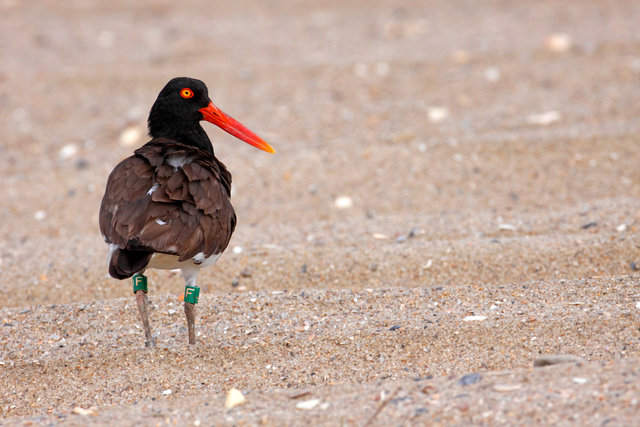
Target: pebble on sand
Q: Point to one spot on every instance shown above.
(558, 43)
(437, 114)
(68, 151)
(382, 68)
(131, 135)
(469, 379)
(461, 56)
(491, 74)
(39, 215)
(234, 398)
(343, 202)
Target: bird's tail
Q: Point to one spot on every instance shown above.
(125, 263)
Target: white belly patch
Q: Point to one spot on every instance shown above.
(170, 262)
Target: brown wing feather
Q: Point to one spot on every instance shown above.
(192, 201)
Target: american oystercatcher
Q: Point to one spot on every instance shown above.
(168, 206)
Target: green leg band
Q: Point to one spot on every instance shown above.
(191, 294)
(139, 283)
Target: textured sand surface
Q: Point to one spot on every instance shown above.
(486, 158)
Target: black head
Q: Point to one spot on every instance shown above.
(182, 97)
(176, 115)
(180, 107)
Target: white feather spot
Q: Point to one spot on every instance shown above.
(112, 249)
(198, 258)
(153, 188)
(178, 161)
(160, 222)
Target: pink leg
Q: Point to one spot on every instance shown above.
(143, 303)
(190, 312)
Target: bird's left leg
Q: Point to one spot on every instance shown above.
(140, 290)
(191, 294)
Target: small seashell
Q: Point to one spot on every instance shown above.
(474, 318)
(507, 387)
(81, 411)
(308, 404)
(234, 398)
(544, 119)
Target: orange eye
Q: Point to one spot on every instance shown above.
(186, 93)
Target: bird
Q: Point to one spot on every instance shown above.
(168, 205)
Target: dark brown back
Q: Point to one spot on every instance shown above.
(170, 198)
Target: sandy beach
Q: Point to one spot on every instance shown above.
(454, 198)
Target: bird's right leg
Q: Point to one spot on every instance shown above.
(140, 289)
(191, 294)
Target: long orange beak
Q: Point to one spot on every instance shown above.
(214, 115)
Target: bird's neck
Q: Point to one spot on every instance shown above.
(190, 134)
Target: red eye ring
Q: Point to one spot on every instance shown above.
(186, 93)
